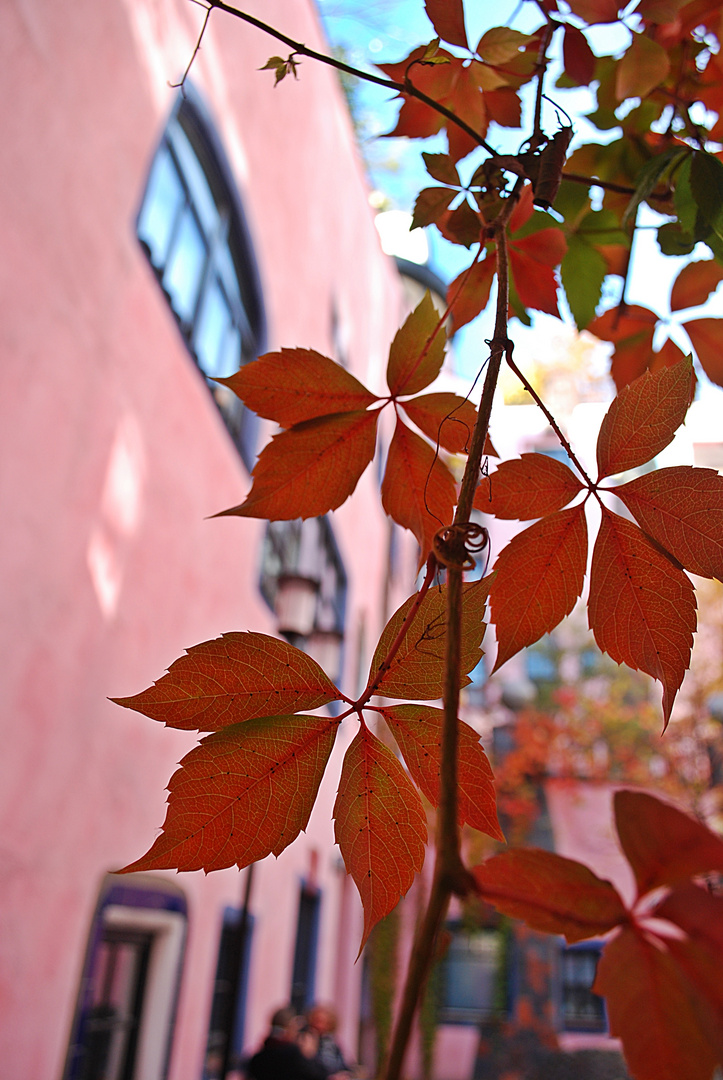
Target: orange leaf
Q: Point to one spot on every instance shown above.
(532, 260)
(296, 385)
(644, 66)
(632, 332)
(447, 18)
(232, 678)
(695, 283)
(504, 106)
(668, 355)
(550, 893)
(310, 469)
(431, 203)
(379, 825)
(527, 487)
(417, 669)
(642, 608)
(681, 508)
(538, 578)
(662, 844)
(244, 793)
(417, 352)
(643, 419)
(595, 11)
(470, 292)
(654, 1010)
(418, 731)
(444, 418)
(705, 334)
(418, 490)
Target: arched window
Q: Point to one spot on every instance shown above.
(192, 227)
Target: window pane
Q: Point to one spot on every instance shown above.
(160, 207)
(199, 191)
(184, 269)
(212, 327)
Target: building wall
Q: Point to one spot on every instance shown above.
(112, 458)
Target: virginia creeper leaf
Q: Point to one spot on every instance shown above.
(631, 331)
(695, 283)
(582, 271)
(417, 351)
(578, 57)
(379, 825)
(662, 844)
(418, 732)
(418, 489)
(641, 608)
(595, 11)
(417, 669)
(681, 508)
(470, 291)
(447, 18)
(527, 487)
(244, 793)
(311, 468)
(500, 44)
(706, 182)
(441, 167)
(644, 66)
(232, 678)
(444, 418)
(430, 204)
(705, 334)
(550, 893)
(654, 1010)
(643, 419)
(538, 578)
(296, 385)
(532, 260)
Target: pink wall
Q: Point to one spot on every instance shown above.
(112, 457)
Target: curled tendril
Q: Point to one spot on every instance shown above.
(456, 545)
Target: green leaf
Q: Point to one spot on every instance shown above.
(672, 240)
(652, 174)
(706, 182)
(430, 205)
(583, 271)
(441, 167)
(417, 351)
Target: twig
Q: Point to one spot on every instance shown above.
(180, 85)
(391, 84)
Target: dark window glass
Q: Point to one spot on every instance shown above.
(470, 977)
(232, 950)
(307, 932)
(581, 1009)
(192, 228)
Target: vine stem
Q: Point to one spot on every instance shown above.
(450, 875)
(406, 87)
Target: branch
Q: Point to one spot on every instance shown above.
(407, 87)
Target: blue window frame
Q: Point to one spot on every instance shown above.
(231, 951)
(191, 226)
(580, 1008)
(128, 992)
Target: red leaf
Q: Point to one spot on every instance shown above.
(681, 508)
(662, 844)
(416, 120)
(296, 385)
(550, 893)
(643, 419)
(418, 731)
(232, 678)
(579, 59)
(418, 490)
(430, 205)
(244, 793)
(595, 11)
(379, 825)
(504, 107)
(538, 578)
(527, 487)
(417, 352)
(444, 418)
(694, 284)
(654, 1010)
(310, 469)
(632, 333)
(447, 18)
(668, 355)
(470, 292)
(705, 334)
(532, 269)
(417, 669)
(641, 608)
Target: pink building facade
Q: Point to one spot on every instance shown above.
(252, 207)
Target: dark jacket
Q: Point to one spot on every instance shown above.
(279, 1060)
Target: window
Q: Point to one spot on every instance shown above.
(233, 952)
(581, 1010)
(127, 1001)
(471, 977)
(307, 933)
(192, 228)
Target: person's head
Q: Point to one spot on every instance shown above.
(322, 1018)
(284, 1025)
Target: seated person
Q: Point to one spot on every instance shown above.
(286, 1054)
(321, 1021)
